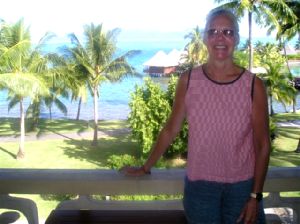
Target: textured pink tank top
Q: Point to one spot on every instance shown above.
(220, 144)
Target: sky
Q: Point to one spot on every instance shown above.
(141, 16)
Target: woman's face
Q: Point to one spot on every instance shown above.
(220, 38)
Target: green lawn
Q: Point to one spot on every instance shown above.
(74, 153)
(10, 126)
(285, 144)
(68, 152)
(63, 153)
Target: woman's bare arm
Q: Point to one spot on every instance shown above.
(261, 139)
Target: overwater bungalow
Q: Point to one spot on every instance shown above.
(162, 64)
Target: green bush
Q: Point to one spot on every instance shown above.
(150, 108)
(139, 197)
(146, 197)
(117, 162)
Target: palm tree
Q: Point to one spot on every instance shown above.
(261, 9)
(288, 27)
(58, 89)
(98, 61)
(66, 79)
(80, 86)
(195, 48)
(80, 94)
(277, 82)
(71, 75)
(21, 70)
(61, 79)
(288, 22)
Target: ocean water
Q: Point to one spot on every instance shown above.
(114, 97)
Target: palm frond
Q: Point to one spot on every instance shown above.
(61, 106)
(25, 85)
(42, 41)
(13, 101)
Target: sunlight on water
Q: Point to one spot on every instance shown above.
(295, 69)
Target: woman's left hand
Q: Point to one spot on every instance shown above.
(249, 212)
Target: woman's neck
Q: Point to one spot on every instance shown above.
(222, 71)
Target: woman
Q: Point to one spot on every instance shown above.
(228, 146)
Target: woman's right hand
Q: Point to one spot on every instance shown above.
(134, 171)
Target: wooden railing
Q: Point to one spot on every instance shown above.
(110, 182)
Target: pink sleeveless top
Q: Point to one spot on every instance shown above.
(220, 143)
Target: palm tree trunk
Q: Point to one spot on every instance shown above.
(50, 112)
(79, 107)
(294, 104)
(298, 147)
(250, 41)
(21, 152)
(286, 59)
(95, 138)
(271, 106)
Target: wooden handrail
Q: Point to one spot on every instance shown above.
(111, 182)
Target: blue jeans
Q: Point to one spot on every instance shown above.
(207, 202)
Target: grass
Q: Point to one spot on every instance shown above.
(285, 144)
(284, 149)
(11, 126)
(287, 116)
(69, 152)
(74, 153)
(62, 153)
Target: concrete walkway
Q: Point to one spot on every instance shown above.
(101, 133)
(293, 123)
(72, 135)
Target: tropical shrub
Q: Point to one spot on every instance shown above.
(150, 108)
(276, 79)
(117, 162)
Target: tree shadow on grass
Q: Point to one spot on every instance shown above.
(289, 132)
(286, 117)
(81, 149)
(287, 159)
(8, 152)
(46, 131)
(59, 125)
(9, 126)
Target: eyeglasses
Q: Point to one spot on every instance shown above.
(226, 32)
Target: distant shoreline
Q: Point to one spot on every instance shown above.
(294, 61)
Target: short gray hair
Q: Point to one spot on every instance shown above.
(223, 12)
